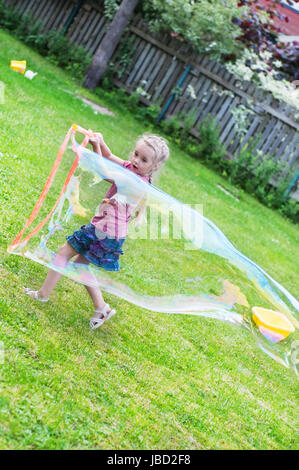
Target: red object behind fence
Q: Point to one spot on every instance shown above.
(290, 28)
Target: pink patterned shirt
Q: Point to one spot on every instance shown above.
(113, 217)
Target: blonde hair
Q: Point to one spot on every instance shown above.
(160, 147)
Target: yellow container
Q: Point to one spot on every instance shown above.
(18, 65)
(272, 321)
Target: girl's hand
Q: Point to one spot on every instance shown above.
(96, 138)
(99, 146)
(92, 137)
(95, 141)
(99, 137)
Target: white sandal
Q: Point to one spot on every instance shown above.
(96, 322)
(34, 294)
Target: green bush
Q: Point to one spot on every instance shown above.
(51, 44)
(172, 126)
(210, 150)
(124, 56)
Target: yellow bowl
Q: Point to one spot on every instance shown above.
(273, 321)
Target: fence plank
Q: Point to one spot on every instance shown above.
(49, 18)
(54, 18)
(293, 149)
(143, 63)
(281, 147)
(77, 25)
(24, 7)
(210, 108)
(207, 97)
(152, 69)
(227, 123)
(82, 37)
(151, 87)
(99, 34)
(279, 139)
(95, 27)
(40, 7)
(172, 82)
(60, 21)
(169, 67)
(273, 130)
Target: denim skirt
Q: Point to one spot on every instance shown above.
(102, 252)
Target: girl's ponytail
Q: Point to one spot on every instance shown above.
(160, 147)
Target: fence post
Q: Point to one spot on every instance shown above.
(171, 98)
(291, 185)
(71, 18)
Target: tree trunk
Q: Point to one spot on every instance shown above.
(109, 43)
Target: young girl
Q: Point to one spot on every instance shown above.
(100, 241)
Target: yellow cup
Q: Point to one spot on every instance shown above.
(18, 65)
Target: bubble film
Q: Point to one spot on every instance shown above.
(220, 282)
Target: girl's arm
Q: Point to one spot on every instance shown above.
(99, 146)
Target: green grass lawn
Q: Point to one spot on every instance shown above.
(144, 380)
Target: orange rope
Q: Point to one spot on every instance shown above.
(17, 241)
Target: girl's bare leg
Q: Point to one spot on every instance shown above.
(94, 292)
(65, 253)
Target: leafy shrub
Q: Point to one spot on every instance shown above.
(172, 126)
(259, 177)
(210, 150)
(124, 56)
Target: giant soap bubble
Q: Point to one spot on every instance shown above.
(218, 281)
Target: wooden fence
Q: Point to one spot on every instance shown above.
(159, 63)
